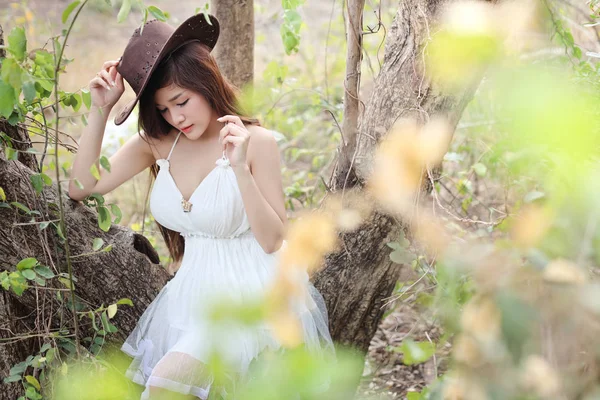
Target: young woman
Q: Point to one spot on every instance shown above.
(217, 196)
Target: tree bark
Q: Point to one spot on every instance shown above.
(235, 49)
(129, 270)
(354, 39)
(362, 267)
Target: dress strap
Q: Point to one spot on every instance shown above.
(173, 147)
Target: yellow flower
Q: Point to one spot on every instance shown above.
(310, 238)
(539, 376)
(564, 271)
(531, 225)
(481, 318)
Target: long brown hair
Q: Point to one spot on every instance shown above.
(191, 67)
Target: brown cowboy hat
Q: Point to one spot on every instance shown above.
(149, 46)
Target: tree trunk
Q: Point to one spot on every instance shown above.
(235, 49)
(354, 39)
(129, 270)
(357, 279)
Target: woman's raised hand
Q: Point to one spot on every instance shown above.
(107, 86)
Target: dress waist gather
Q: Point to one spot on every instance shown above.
(204, 235)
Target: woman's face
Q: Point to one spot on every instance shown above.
(184, 109)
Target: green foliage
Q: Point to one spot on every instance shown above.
(292, 23)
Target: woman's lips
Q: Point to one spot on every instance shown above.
(187, 129)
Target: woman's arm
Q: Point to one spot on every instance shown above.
(262, 189)
(135, 156)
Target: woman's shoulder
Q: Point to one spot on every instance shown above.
(260, 136)
(261, 143)
(158, 145)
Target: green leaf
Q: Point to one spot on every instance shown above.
(59, 231)
(40, 281)
(86, 97)
(94, 172)
(47, 180)
(413, 396)
(21, 207)
(76, 102)
(157, 13)
(50, 354)
(12, 73)
(7, 99)
(12, 378)
(480, 169)
(17, 43)
(2, 195)
(69, 10)
(104, 218)
(44, 271)
(32, 394)
(37, 182)
(44, 225)
(125, 301)
(11, 154)
(18, 283)
(112, 310)
(29, 274)
(97, 244)
(533, 196)
(124, 11)
(18, 368)
(401, 256)
(29, 91)
(116, 211)
(4, 280)
(104, 320)
(105, 163)
(34, 382)
(416, 352)
(107, 248)
(93, 318)
(27, 263)
(577, 52)
(78, 184)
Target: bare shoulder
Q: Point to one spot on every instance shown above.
(263, 152)
(157, 146)
(261, 139)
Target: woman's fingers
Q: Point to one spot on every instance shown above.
(232, 130)
(108, 64)
(232, 118)
(106, 76)
(233, 140)
(99, 82)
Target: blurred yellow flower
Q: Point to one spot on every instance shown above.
(481, 318)
(539, 376)
(309, 239)
(402, 158)
(564, 271)
(531, 225)
(466, 351)
(287, 328)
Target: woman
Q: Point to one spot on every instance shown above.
(217, 196)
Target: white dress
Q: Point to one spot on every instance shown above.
(222, 262)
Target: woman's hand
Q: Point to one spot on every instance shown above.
(107, 87)
(234, 136)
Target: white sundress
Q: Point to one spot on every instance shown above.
(222, 262)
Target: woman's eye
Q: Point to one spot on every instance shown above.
(162, 111)
(183, 104)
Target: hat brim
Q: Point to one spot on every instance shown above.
(200, 27)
